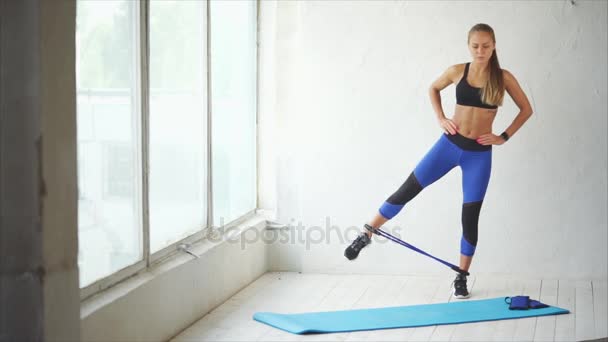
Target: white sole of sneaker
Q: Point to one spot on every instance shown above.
(459, 296)
(462, 297)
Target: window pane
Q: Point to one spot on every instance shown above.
(233, 61)
(109, 192)
(178, 121)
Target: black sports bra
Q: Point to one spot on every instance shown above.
(466, 95)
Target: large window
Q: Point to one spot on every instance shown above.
(233, 71)
(146, 178)
(109, 191)
(178, 121)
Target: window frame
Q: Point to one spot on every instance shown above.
(141, 16)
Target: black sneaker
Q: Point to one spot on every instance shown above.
(353, 250)
(460, 287)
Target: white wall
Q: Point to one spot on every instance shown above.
(345, 117)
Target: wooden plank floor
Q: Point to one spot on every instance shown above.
(290, 292)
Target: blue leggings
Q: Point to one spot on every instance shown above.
(450, 151)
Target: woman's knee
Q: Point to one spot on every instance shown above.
(408, 190)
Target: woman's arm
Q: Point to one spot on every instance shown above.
(439, 84)
(520, 99)
(525, 111)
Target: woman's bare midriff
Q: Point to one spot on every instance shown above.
(473, 121)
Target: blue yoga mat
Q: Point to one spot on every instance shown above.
(400, 316)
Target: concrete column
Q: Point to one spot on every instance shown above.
(39, 293)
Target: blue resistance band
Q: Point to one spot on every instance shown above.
(405, 244)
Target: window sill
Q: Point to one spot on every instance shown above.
(177, 259)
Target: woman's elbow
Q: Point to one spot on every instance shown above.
(526, 110)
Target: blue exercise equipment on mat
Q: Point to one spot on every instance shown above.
(408, 316)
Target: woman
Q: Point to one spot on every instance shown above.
(467, 142)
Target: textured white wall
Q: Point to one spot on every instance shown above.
(345, 117)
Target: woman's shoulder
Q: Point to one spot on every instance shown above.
(458, 67)
(456, 70)
(507, 75)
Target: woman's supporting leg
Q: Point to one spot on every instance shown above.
(465, 262)
(476, 170)
(470, 223)
(468, 244)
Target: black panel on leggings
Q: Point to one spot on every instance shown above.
(407, 191)
(470, 220)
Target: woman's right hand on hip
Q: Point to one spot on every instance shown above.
(448, 126)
